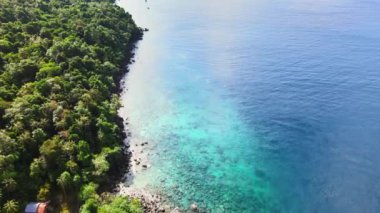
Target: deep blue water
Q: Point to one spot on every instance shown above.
(258, 105)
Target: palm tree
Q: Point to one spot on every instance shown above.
(9, 184)
(11, 206)
(64, 181)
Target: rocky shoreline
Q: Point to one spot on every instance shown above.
(151, 202)
(136, 157)
(121, 182)
(137, 160)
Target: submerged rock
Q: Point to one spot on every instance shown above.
(194, 207)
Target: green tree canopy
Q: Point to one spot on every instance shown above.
(60, 134)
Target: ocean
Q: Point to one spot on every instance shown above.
(258, 105)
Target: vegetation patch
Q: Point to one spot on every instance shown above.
(60, 135)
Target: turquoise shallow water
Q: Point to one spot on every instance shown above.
(258, 106)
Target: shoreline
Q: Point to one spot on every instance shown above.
(134, 159)
(118, 173)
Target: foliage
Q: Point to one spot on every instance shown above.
(60, 134)
(121, 205)
(107, 203)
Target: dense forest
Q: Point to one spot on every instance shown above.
(60, 135)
